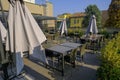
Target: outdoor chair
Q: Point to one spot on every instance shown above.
(93, 45)
(52, 56)
(100, 42)
(71, 57)
(80, 55)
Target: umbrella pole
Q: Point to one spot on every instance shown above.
(4, 68)
(5, 62)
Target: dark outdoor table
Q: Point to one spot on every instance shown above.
(97, 38)
(62, 50)
(72, 45)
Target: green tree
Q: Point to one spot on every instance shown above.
(89, 11)
(114, 14)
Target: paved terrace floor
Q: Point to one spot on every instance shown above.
(83, 71)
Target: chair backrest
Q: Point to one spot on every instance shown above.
(82, 50)
(73, 54)
(57, 35)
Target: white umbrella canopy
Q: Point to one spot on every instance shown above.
(24, 34)
(3, 32)
(92, 27)
(63, 27)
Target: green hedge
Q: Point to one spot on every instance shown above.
(110, 57)
(72, 31)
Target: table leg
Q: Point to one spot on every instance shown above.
(62, 65)
(74, 60)
(93, 47)
(74, 64)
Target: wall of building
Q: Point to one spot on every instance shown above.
(35, 10)
(76, 22)
(49, 9)
(49, 12)
(76, 19)
(5, 5)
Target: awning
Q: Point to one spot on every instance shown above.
(44, 17)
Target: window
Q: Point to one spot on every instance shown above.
(78, 21)
(74, 21)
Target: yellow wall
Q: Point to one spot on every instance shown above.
(5, 4)
(68, 15)
(49, 9)
(76, 21)
(35, 9)
(51, 23)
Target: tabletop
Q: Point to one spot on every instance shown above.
(70, 44)
(60, 49)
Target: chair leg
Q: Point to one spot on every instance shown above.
(82, 58)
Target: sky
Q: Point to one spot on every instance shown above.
(73, 6)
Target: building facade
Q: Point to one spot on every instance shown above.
(61, 17)
(76, 20)
(49, 12)
(73, 20)
(38, 11)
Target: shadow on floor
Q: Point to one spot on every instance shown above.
(78, 73)
(92, 59)
(35, 74)
(83, 71)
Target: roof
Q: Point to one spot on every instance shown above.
(78, 14)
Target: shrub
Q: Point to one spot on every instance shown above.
(110, 57)
(72, 31)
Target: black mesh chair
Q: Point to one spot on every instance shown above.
(71, 57)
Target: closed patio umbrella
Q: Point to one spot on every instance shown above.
(24, 34)
(92, 27)
(63, 27)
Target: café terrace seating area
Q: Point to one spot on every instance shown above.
(67, 56)
(29, 53)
